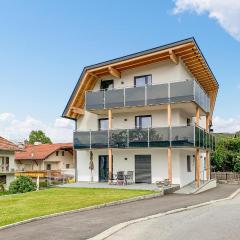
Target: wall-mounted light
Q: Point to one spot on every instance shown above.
(125, 159)
(125, 119)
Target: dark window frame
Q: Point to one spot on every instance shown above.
(49, 168)
(141, 117)
(189, 167)
(99, 125)
(141, 76)
(57, 153)
(63, 153)
(188, 122)
(109, 80)
(67, 166)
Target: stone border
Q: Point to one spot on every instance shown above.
(120, 226)
(119, 202)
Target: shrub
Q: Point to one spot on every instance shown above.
(21, 185)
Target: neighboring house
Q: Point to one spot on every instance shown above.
(7, 165)
(42, 157)
(149, 113)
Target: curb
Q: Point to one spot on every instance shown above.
(107, 233)
(115, 203)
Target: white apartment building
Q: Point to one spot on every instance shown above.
(149, 113)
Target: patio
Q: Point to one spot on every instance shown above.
(141, 186)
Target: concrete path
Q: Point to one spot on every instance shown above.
(87, 224)
(219, 221)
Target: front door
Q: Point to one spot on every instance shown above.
(143, 169)
(103, 168)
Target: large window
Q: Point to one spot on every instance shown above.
(103, 124)
(143, 121)
(106, 84)
(142, 80)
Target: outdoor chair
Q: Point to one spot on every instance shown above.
(129, 177)
(120, 178)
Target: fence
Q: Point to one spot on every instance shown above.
(226, 176)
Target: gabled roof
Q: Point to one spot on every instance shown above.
(41, 151)
(7, 145)
(187, 50)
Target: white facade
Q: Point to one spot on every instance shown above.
(7, 167)
(124, 159)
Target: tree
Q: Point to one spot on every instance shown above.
(227, 155)
(38, 136)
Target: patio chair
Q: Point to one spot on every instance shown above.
(120, 178)
(129, 177)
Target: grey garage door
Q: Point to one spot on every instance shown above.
(143, 169)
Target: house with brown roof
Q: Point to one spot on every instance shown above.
(146, 116)
(7, 164)
(41, 157)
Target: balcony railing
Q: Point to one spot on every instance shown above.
(183, 136)
(185, 91)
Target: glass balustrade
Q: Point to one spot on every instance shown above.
(181, 136)
(175, 92)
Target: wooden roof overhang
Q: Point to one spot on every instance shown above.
(186, 50)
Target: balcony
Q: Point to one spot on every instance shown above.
(176, 92)
(160, 137)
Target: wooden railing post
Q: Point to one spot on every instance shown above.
(110, 160)
(197, 157)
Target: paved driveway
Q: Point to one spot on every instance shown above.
(87, 224)
(219, 221)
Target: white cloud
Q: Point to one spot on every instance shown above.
(18, 130)
(226, 12)
(227, 125)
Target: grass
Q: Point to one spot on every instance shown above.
(15, 208)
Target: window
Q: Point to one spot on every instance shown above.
(3, 179)
(56, 153)
(7, 163)
(106, 84)
(48, 166)
(188, 121)
(143, 121)
(62, 153)
(189, 163)
(142, 80)
(67, 166)
(103, 124)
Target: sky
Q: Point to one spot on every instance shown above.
(44, 46)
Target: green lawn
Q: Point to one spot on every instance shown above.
(14, 208)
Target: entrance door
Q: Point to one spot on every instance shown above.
(143, 169)
(103, 168)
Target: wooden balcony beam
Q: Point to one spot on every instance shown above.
(79, 111)
(173, 57)
(114, 72)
